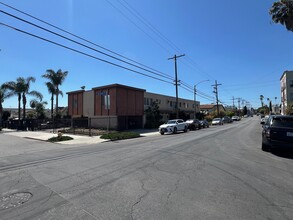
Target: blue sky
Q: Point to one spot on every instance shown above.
(231, 41)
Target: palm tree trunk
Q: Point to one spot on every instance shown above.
(19, 99)
(52, 105)
(57, 94)
(1, 110)
(24, 104)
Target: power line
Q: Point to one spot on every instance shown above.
(192, 91)
(138, 26)
(148, 24)
(83, 53)
(81, 38)
(59, 35)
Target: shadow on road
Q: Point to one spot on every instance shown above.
(284, 152)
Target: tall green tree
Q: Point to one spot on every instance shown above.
(282, 12)
(21, 88)
(40, 108)
(56, 79)
(3, 96)
(261, 97)
(153, 116)
(27, 91)
(52, 91)
(15, 88)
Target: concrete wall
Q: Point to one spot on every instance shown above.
(167, 104)
(88, 103)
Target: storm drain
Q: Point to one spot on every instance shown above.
(14, 200)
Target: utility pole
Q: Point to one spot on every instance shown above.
(239, 106)
(176, 82)
(217, 96)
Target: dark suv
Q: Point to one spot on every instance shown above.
(193, 124)
(277, 132)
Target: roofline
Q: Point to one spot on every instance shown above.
(119, 86)
(77, 91)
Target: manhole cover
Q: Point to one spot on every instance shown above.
(14, 200)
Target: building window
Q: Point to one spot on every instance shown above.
(171, 103)
(179, 104)
(291, 83)
(291, 97)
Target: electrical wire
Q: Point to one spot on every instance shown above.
(83, 53)
(59, 35)
(81, 38)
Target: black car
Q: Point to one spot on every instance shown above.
(277, 132)
(193, 124)
(204, 123)
(227, 119)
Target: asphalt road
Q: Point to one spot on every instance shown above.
(215, 173)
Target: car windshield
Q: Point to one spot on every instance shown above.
(216, 119)
(171, 122)
(282, 122)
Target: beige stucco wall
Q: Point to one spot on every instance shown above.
(104, 122)
(164, 102)
(88, 103)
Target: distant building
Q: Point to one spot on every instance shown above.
(286, 81)
(206, 109)
(167, 105)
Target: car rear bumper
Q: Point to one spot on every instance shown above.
(277, 143)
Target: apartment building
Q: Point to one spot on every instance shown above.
(122, 107)
(286, 81)
(113, 106)
(167, 104)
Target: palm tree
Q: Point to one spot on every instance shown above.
(56, 79)
(20, 88)
(15, 88)
(26, 92)
(282, 12)
(40, 108)
(3, 96)
(261, 97)
(52, 91)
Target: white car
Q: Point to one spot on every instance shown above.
(217, 121)
(172, 126)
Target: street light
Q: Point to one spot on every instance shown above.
(195, 96)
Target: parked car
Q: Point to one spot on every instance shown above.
(277, 132)
(204, 123)
(264, 119)
(217, 121)
(227, 119)
(172, 126)
(193, 124)
(236, 118)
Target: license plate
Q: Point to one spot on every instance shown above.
(290, 134)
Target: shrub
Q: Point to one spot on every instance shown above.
(120, 135)
(60, 137)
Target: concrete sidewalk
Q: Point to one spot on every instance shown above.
(77, 139)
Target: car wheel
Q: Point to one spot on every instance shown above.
(265, 147)
(162, 132)
(185, 129)
(175, 130)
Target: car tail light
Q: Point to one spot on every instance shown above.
(268, 133)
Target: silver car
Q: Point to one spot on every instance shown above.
(172, 126)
